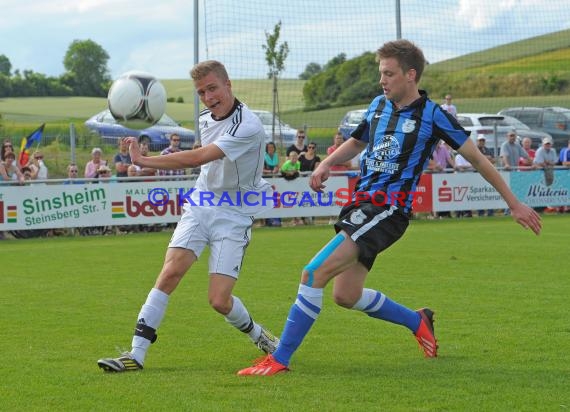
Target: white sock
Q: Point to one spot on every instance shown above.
(239, 318)
(368, 295)
(152, 313)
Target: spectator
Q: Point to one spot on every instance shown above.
(290, 169)
(122, 160)
(72, 173)
(309, 159)
(526, 145)
(545, 159)
(511, 152)
(463, 165)
(133, 171)
(565, 161)
(309, 162)
(104, 172)
(94, 164)
(12, 170)
(27, 172)
(3, 175)
(173, 148)
(442, 160)
(546, 156)
(38, 167)
(271, 162)
(449, 107)
(338, 140)
(483, 149)
(299, 146)
(145, 171)
(442, 157)
(6, 148)
(270, 169)
(487, 153)
(565, 156)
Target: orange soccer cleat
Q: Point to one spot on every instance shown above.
(267, 366)
(425, 334)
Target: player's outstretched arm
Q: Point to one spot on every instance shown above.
(523, 215)
(177, 160)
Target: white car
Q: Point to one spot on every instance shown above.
(283, 131)
(484, 124)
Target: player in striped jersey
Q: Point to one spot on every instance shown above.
(400, 131)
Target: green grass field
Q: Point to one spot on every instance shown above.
(500, 296)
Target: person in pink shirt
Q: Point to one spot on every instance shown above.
(94, 164)
(338, 140)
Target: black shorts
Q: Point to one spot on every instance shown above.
(372, 228)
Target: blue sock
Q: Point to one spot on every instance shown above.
(301, 317)
(375, 304)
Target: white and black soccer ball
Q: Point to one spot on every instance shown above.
(137, 99)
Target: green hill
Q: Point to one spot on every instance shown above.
(533, 71)
(539, 48)
(531, 67)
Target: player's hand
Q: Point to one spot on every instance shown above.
(318, 177)
(527, 217)
(134, 149)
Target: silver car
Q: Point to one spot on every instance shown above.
(157, 135)
(484, 124)
(282, 131)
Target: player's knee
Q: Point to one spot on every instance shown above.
(344, 300)
(304, 276)
(220, 304)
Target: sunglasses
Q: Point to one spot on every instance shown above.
(300, 137)
(38, 157)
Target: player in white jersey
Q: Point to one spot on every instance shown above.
(231, 160)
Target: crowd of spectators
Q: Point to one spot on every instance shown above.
(300, 159)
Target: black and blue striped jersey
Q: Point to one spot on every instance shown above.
(400, 143)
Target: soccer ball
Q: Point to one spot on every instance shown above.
(137, 99)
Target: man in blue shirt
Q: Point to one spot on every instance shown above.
(565, 155)
(399, 133)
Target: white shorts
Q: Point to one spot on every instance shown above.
(228, 235)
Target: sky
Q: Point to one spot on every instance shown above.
(158, 36)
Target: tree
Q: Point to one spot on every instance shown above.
(275, 56)
(5, 65)
(86, 64)
(335, 61)
(343, 82)
(310, 70)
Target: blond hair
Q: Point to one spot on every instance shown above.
(206, 67)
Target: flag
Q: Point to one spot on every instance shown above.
(27, 142)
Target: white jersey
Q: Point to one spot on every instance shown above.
(234, 183)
